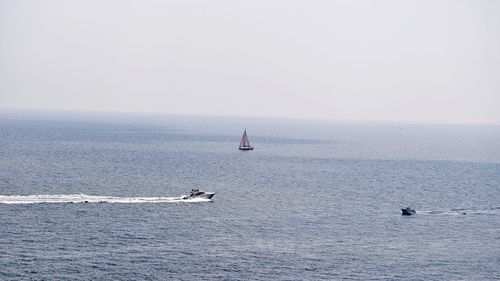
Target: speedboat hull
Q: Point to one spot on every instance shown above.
(209, 195)
(196, 193)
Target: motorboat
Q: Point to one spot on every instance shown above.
(196, 193)
(408, 211)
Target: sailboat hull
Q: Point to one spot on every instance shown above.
(246, 148)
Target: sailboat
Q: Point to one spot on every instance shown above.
(245, 143)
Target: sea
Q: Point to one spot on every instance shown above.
(97, 196)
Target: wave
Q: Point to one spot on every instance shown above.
(83, 198)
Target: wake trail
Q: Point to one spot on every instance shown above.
(83, 198)
(463, 211)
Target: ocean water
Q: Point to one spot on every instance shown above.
(315, 200)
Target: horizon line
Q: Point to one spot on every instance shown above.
(229, 116)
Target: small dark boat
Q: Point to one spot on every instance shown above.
(196, 193)
(408, 211)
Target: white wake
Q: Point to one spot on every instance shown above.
(83, 198)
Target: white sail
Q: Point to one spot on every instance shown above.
(245, 143)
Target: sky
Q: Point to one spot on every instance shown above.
(432, 61)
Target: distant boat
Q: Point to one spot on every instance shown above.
(196, 193)
(245, 143)
(408, 211)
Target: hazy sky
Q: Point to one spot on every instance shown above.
(430, 61)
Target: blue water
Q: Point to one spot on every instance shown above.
(315, 200)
